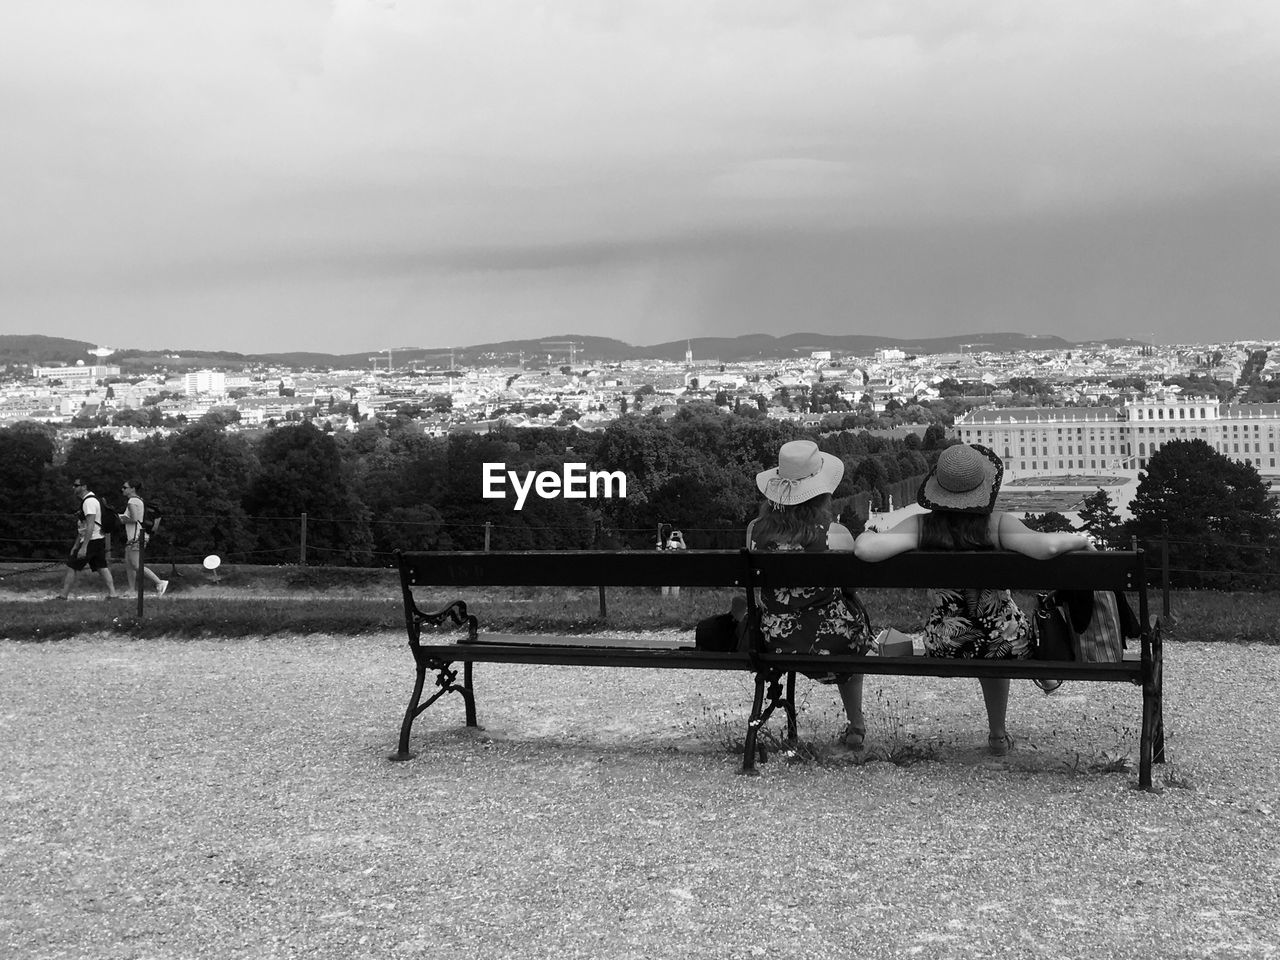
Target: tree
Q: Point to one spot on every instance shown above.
(300, 473)
(1222, 528)
(935, 437)
(141, 417)
(1049, 522)
(1098, 519)
(104, 462)
(36, 519)
(199, 477)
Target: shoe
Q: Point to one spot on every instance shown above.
(853, 738)
(161, 587)
(1048, 686)
(999, 746)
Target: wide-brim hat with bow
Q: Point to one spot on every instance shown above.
(803, 472)
(966, 479)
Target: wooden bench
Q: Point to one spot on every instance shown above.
(774, 674)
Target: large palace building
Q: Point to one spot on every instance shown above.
(1055, 440)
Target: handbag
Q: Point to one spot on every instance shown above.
(1051, 624)
(1089, 626)
(725, 631)
(1101, 640)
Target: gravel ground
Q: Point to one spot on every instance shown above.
(233, 799)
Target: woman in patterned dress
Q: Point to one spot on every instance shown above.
(797, 515)
(960, 494)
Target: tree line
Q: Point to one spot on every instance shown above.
(388, 486)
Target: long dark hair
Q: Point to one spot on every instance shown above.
(801, 524)
(951, 530)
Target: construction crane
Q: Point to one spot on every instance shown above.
(571, 344)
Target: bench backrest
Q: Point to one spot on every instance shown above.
(1113, 570)
(574, 568)
(1120, 570)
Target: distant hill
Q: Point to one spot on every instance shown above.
(557, 350)
(34, 348)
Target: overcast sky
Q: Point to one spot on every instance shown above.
(361, 174)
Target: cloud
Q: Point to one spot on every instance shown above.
(207, 143)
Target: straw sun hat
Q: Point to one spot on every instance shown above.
(965, 479)
(803, 472)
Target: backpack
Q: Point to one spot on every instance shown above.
(108, 519)
(151, 517)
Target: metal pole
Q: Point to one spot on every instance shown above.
(1164, 564)
(604, 606)
(302, 552)
(488, 528)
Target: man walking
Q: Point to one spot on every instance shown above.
(91, 544)
(135, 538)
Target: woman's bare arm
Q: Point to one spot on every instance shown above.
(1018, 537)
(873, 547)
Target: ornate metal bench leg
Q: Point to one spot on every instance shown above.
(753, 727)
(1157, 655)
(790, 705)
(1148, 738)
(468, 695)
(406, 726)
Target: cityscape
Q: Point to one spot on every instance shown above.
(1098, 407)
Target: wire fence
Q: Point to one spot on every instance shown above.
(276, 540)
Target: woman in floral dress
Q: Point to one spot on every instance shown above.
(960, 494)
(797, 516)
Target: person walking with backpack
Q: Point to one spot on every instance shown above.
(137, 534)
(91, 541)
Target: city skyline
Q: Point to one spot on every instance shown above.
(348, 176)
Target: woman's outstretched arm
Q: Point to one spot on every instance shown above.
(1018, 537)
(872, 546)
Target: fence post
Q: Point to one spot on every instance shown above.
(488, 528)
(604, 606)
(1164, 564)
(302, 553)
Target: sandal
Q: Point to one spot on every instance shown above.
(853, 738)
(1048, 686)
(1000, 746)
